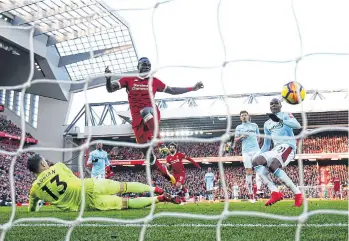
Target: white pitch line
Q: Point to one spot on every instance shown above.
(280, 225)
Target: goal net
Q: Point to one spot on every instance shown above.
(310, 192)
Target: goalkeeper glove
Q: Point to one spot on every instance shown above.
(39, 205)
(274, 118)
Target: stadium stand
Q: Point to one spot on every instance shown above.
(234, 174)
(23, 178)
(325, 143)
(322, 143)
(8, 127)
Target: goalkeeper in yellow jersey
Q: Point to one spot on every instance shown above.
(60, 187)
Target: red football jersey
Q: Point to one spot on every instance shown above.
(138, 94)
(254, 187)
(176, 162)
(336, 183)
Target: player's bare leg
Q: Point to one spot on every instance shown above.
(249, 173)
(210, 196)
(182, 192)
(148, 118)
(159, 166)
(186, 192)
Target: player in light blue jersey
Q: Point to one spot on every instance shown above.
(99, 160)
(280, 124)
(247, 133)
(209, 181)
(236, 191)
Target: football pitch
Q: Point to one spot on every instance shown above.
(318, 227)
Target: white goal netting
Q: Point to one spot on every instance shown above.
(301, 219)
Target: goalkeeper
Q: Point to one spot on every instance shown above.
(60, 187)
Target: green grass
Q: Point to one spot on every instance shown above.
(173, 228)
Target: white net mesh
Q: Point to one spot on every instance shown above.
(301, 219)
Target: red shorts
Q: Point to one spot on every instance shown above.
(142, 132)
(336, 188)
(180, 177)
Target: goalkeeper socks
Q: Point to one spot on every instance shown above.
(137, 187)
(141, 202)
(249, 183)
(264, 175)
(285, 179)
(258, 182)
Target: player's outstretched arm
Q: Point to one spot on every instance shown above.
(33, 201)
(107, 161)
(292, 122)
(257, 133)
(287, 120)
(111, 86)
(179, 90)
(192, 161)
(267, 142)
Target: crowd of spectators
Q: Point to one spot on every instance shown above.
(22, 177)
(326, 144)
(234, 174)
(313, 144)
(9, 127)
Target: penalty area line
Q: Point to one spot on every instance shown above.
(246, 225)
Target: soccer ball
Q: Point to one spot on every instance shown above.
(289, 92)
(164, 150)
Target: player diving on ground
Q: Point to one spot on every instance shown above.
(140, 105)
(60, 187)
(280, 124)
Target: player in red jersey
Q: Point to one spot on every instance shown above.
(108, 172)
(255, 190)
(140, 104)
(336, 186)
(175, 160)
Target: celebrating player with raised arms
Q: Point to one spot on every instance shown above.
(175, 160)
(209, 181)
(99, 161)
(280, 124)
(247, 133)
(140, 104)
(58, 185)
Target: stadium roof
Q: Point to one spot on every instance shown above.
(76, 28)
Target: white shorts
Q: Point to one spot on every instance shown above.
(284, 153)
(248, 157)
(209, 187)
(99, 176)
